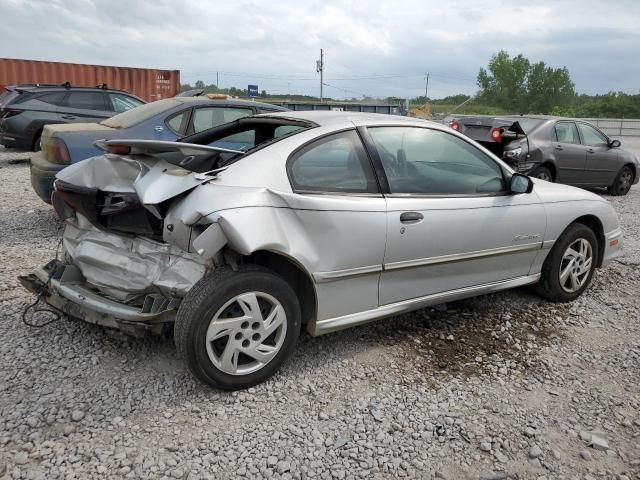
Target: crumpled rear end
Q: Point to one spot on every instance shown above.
(127, 268)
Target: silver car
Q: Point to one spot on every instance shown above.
(322, 221)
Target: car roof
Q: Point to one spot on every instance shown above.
(224, 101)
(328, 118)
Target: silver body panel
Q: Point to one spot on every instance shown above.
(364, 263)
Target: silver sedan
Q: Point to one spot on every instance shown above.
(238, 237)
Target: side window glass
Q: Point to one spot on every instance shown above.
(566, 132)
(283, 130)
(591, 136)
(425, 161)
(122, 103)
(177, 123)
(337, 163)
(54, 98)
(86, 100)
(206, 118)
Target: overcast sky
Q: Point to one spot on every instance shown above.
(374, 47)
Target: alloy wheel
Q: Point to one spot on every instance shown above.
(246, 333)
(576, 265)
(624, 181)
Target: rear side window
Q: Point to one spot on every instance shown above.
(121, 103)
(53, 98)
(177, 123)
(566, 132)
(86, 101)
(208, 117)
(336, 164)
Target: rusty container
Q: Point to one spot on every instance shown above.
(147, 83)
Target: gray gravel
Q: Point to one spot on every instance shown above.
(502, 386)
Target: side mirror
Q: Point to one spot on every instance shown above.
(615, 144)
(520, 184)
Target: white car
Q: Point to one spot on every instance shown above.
(321, 220)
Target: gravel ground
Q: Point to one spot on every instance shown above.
(501, 386)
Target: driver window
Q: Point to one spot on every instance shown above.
(424, 161)
(592, 137)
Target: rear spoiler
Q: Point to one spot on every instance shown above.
(155, 147)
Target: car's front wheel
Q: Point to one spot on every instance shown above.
(234, 329)
(622, 183)
(568, 269)
(543, 173)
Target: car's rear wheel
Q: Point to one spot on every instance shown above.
(543, 173)
(37, 142)
(234, 329)
(569, 267)
(622, 183)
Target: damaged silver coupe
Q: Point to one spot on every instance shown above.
(239, 236)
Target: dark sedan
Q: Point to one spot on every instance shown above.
(168, 120)
(555, 149)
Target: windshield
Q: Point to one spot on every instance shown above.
(139, 114)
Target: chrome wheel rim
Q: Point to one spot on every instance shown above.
(576, 265)
(246, 333)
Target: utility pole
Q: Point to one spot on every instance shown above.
(320, 69)
(217, 82)
(426, 90)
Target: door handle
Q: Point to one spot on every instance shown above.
(591, 150)
(558, 147)
(411, 217)
(68, 117)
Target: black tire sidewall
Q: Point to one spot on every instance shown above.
(553, 263)
(218, 292)
(537, 171)
(614, 189)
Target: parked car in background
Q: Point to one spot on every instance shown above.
(555, 149)
(26, 109)
(328, 220)
(168, 119)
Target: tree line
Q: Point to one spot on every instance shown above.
(508, 85)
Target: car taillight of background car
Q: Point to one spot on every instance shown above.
(55, 150)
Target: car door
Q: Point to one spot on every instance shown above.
(450, 222)
(569, 153)
(80, 107)
(338, 204)
(601, 165)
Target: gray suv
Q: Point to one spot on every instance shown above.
(25, 109)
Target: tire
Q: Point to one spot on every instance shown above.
(622, 183)
(551, 286)
(214, 300)
(36, 146)
(543, 173)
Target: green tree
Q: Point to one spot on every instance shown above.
(505, 82)
(200, 84)
(518, 86)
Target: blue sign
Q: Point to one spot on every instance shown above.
(252, 91)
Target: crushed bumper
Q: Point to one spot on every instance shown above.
(65, 289)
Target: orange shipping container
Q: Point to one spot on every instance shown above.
(147, 83)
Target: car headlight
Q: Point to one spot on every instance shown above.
(512, 154)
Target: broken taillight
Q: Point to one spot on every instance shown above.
(55, 150)
(119, 149)
(455, 125)
(496, 135)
